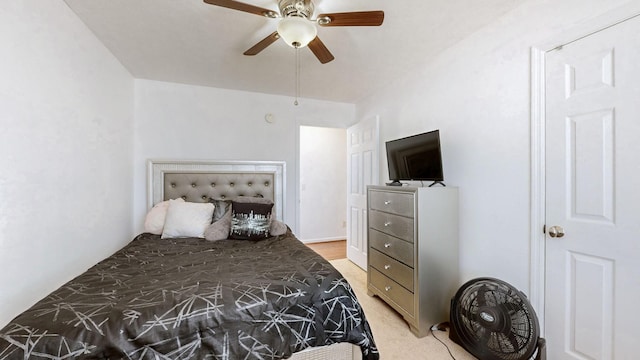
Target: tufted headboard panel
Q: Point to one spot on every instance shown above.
(197, 181)
(200, 187)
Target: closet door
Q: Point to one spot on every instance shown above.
(592, 177)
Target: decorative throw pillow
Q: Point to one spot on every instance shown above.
(187, 219)
(250, 221)
(154, 222)
(220, 208)
(277, 228)
(253, 200)
(220, 229)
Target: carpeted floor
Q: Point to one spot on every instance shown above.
(390, 331)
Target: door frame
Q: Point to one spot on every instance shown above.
(538, 120)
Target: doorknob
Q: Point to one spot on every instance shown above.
(556, 231)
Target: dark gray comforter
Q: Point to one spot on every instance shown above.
(194, 299)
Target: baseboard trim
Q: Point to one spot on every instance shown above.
(321, 240)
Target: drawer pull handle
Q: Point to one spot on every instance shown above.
(387, 223)
(387, 288)
(387, 267)
(387, 245)
(387, 202)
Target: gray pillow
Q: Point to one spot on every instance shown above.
(221, 207)
(220, 229)
(277, 228)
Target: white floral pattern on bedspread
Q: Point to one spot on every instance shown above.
(194, 299)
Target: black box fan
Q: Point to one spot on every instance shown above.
(492, 320)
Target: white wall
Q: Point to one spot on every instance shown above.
(66, 108)
(478, 94)
(323, 184)
(176, 121)
(72, 157)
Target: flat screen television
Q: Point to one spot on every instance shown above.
(415, 158)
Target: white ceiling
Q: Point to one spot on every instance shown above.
(191, 42)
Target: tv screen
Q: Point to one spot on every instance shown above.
(415, 157)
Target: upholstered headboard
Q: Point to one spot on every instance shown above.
(198, 181)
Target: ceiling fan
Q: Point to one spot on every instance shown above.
(297, 27)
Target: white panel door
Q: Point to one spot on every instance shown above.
(362, 160)
(592, 284)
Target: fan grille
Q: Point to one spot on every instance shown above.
(494, 321)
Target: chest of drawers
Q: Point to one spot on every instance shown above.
(413, 251)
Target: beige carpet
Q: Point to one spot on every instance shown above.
(390, 331)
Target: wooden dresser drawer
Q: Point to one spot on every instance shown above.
(398, 249)
(393, 269)
(392, 290)
(395, 225)
(392, 202)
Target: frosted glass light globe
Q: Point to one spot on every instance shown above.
(297, 31)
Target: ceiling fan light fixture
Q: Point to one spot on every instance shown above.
(297, 31)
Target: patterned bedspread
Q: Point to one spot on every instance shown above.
(194, 299)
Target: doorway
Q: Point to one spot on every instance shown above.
(323, 184)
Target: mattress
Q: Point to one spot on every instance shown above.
(188, 298)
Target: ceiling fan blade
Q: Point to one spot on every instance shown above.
(235, 5)
(358, 18)
(320, 51)
(255, 49)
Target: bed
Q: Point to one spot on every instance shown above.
(188, 298)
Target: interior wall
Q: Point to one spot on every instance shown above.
(175, 121)
(66, 109)
(323, 184)
(478, 94)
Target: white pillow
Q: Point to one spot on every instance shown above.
(187, 219)
(154, 222)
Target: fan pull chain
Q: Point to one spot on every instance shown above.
(297, 75)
